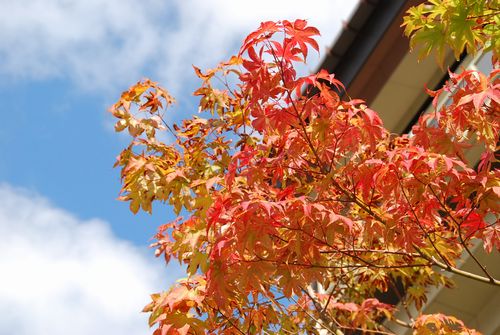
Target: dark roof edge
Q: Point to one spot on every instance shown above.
(360, 37)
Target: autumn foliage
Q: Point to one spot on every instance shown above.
(286, 187)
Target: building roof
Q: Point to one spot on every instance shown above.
(371, 57)
(372, 32)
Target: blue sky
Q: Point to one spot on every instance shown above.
(69, 250)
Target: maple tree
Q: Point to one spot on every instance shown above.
(286, 186)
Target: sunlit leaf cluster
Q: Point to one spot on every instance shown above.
(462, 25)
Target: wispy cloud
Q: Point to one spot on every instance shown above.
(95, 43)
(62, 275)
(109, 44)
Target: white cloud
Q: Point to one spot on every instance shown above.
(110, 44)
(61, 275)
(94, 42)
